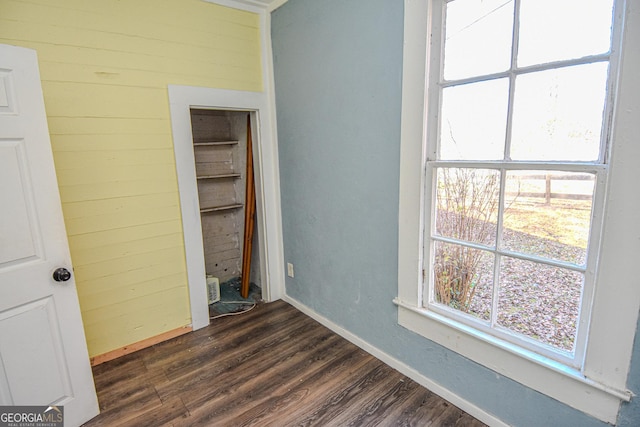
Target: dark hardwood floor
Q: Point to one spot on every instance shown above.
(272, 366)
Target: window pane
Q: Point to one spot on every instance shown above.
(463, 279)
(540, 301)
(558, 114)
(552, 30)
(473, 121)
(548, 214)
(467, 204)
(477, 37)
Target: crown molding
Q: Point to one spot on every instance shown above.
(256, 6)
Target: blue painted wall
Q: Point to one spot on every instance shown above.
(338, 74)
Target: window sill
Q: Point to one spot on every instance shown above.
(547, 376)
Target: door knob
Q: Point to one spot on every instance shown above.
(61, 274)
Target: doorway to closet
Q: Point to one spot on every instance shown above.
(268, 226)
(223, 161)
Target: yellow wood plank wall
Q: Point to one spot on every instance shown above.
(105, 66)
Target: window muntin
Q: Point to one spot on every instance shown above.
(499, 128)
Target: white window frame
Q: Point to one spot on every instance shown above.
(598, 385)
(596, 167)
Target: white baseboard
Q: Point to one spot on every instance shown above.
(401, 367)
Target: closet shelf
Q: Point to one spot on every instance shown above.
(226, 175)
(205, 143)
(221, 208)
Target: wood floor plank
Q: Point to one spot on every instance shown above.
(378, 401)
(423, 410)
(272, 366)
(292, 399)
(222, 369)
(250, 389)
(170, 413)
(181, 353)
(416, 403)
(339, 402)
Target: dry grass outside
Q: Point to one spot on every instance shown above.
(536, 300)
(563, 220)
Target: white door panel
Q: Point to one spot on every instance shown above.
(43, 353)
(7, 97)
(38, 322)
(17, 237)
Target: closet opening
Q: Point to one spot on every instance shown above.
(224, 174)
(268, 258)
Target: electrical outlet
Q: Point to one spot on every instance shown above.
(289, 269)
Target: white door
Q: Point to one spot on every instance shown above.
(43, 352)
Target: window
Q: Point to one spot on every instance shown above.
(516, 159)
(511, 160)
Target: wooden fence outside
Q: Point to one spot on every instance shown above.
(548, 193)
